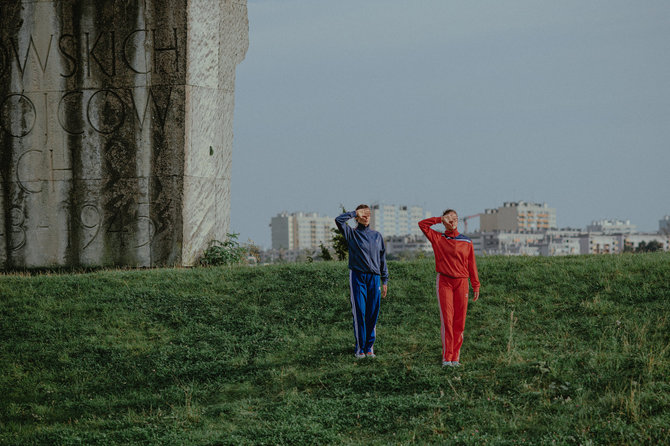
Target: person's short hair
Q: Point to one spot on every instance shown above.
(363, 206)
(449, 211)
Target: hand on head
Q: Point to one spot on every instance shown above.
(450, 220)
(363, 216)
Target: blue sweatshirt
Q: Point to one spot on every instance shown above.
(367, 253)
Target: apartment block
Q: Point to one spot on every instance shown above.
(600, 243)
(632, 241)
(613, 226)
(506, 243)
(518, 216)
(397, 244)
(299, 231)
(392, 220)
(560, 246)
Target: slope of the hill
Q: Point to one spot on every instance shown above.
(568, 350)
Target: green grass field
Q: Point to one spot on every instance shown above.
(569, 350)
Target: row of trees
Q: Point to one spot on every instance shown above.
(652, 246)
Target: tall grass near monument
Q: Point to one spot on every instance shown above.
(569, 350)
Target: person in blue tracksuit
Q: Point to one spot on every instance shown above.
(368, 276)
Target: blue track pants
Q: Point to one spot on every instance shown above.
(365, 298)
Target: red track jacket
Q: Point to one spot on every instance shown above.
(454, 253)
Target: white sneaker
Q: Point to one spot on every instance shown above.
(359, 355)
(370, 355)
(447, 363)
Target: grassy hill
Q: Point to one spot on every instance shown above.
(569, 350)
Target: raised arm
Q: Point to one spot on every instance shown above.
(425, 225)
(341, 222)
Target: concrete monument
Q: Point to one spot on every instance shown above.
(116, 129)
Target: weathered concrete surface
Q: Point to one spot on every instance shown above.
(116, 129)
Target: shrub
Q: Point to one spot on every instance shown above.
(228, 252)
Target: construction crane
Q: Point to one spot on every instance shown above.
(465, 222)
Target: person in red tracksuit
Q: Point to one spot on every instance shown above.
(455, 264)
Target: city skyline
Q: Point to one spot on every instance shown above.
(476, 226)
(308, 227)
(444, 104)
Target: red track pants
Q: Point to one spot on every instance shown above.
(452, 298)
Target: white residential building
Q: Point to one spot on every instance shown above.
(561, 242)
(392, 220)
(518, 216)
(506, 243)
(612, 226)
(397, 244)
(632, 241)
(299, 231)
(600, 243)
(603, 243)
(560, 246)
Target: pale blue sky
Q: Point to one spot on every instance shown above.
(444, 103)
